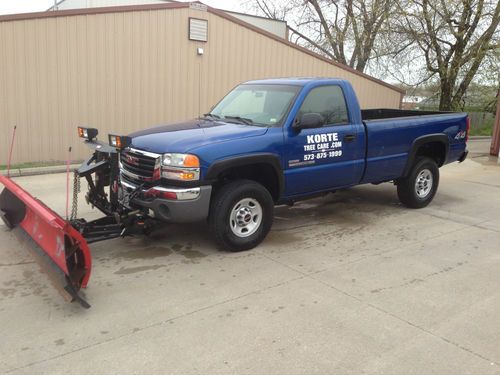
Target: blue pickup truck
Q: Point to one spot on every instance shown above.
(266, 143)
(276, 141)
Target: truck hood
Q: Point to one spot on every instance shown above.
(184, 136)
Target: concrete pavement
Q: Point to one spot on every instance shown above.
(346, 284)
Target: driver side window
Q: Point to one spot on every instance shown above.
(329, 102)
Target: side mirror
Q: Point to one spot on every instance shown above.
(309, 121)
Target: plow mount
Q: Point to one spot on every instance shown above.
(61, 246)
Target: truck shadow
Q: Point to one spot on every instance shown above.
(346, 210)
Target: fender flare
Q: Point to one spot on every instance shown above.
(222, 165)
(420, 141)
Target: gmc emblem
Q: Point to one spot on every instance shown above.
(132, 160)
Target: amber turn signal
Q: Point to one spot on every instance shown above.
(88, 133)
(119, 141)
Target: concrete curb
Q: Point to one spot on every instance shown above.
(20, 172)
(472, 137)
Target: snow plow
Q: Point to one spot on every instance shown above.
(50, 235)
(61, 246)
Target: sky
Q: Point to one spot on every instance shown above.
(26, 6)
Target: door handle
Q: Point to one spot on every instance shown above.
(349, 137)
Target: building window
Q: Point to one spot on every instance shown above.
(198, 29)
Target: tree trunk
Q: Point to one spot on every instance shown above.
(446, 95)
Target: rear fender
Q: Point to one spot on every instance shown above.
(419, 142)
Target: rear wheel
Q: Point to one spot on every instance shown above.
(418, 189)
(241, 215)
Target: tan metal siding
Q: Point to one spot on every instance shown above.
(124, 71)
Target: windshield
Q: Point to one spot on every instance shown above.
(253, 104)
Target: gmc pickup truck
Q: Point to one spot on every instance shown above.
(276, 141)
(266, 143)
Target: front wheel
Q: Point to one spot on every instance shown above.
(418, 189)
(241, 215)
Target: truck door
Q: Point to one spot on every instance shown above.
(327, 157)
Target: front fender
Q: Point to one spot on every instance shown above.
(222, 165)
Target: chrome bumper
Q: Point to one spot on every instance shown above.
(183, 194)
(190, 205)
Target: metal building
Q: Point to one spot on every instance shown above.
(273, 26)
(123, 68)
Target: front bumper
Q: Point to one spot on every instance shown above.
(191, 205)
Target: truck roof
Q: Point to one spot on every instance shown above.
(297, 81)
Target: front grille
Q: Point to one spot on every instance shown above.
(139, 167)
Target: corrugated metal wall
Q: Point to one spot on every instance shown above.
(124, 71)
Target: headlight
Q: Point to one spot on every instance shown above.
(181, 160)
(184, 167)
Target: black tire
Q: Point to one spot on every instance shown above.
(221, 209)
(413, 195)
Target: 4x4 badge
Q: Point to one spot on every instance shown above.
(461, 134)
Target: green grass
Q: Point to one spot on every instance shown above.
(32, 165)
(485, 129)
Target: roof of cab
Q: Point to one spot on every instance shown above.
(297, 81)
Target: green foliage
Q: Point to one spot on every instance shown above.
(481, 123)
(486, 131)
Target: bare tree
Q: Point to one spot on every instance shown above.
(454, 37)
(448, 42)
(273, 9)
(343, 30)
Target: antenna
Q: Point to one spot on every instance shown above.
(67, 182)
(10, 150)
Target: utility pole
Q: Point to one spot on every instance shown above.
(495, 139)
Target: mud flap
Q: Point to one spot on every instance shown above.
(60, 249)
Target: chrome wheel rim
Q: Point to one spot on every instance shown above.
(246, 217)
(423, 183)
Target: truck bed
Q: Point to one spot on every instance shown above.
(391, 133)
(387, 113)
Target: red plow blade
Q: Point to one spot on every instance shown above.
(58, 244)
